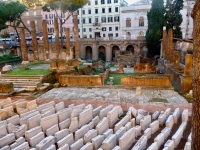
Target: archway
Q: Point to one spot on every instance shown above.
(130, 49)
(88, 55)
(115, 49)
(102, 53)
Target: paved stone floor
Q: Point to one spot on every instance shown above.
(114, 95)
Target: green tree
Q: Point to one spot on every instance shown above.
(173, 17)
(155, 27)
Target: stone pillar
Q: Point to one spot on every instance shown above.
(177, 59)
(95, 52)
(34, 40)
(108, 53)
(57, 38)
(23, 45)
(188, 65)
(68, 41)
(45, 39)
(76, 36)
(164, 43)
(170, 44)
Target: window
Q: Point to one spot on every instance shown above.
(78, 12)
(96, 20)
(109, 1)
(84, 29)
(128, 22)
(63, 16)
(90, 29)
(84, 36)
(50, 16)
(89, 11)
(103, 19)
(78, 29)
(96, 11)
(103, 28)
(116, 9)
(110, 19)
(90, 36)
(83, 11)
(110, 28)
(52, 30)
(116, 18)
(102, 1)
(141, 22)
(116, 29)
(116, 34)
(104, 35)
(78, 21)
(46, 16)
(115, 1)
(90, 20)
(128, 34)
(103, 10)
(83, 20)
(89, 3)
(96, 2)
(54, 15)
(50, 21)
(109, 10)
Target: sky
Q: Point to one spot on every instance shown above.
(131, 1)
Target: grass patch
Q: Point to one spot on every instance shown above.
(9, 58)
(158, 100)
(29, 72)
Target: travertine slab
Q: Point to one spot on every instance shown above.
(188, 146)
(190, 138)
(6, 140)
(69, 139)
(11, 127)
(52, 147)
(96, 120)
(155, 115)
(185, 115)
(138, 118)
(97, 141)
(81, 106)
(137, 131)
(107, 133)
(153, 146)
(52, 130)
(112, 116)
(74, 125)
(36, 139)
(61, 134)
(59, 106)
(46, 114)
(65, 124)
(128, 126)
(34, 121)
(91, 125)
(77, 145)
(24, 119)
(48, 122)
(89, 135)
(133, 122)
(43, 106)
(166, 132)
(32, 107)
(103, 112)
(18, 142)
(14, 120)
(160, 138)
(89, 106)
(81, 132)
(64, 114)
(87, 146)
(154, 126)
(64, 147)
(116, 148)
(32, 132)
(96, 111)
(102, 126)
(29, 103)
(6, 148)
(110, 142)
(120, 132)
(28, 113)
(50, 108)
(3, 123)
(23, 146)
(85, 117)
(3, 131)
(169, 144)
(162, 118)
(141, 143)
(176, 115)
(127, 139)
(76, 112)
(133, 111)
(147, 133)
(121, 123)
(170, 122)
(20, 131)
(71, 106)
(145, 122)
(46, 142)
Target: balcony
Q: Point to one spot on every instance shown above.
(96, 24)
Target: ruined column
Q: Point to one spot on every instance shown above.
(34, 40)
(188, 65)
(45, 39)
(176, 59)
(170, 44)
(68, 41)
(164, 42)
(57, 38)
(76, 36)
(108, 53)
(23, 45)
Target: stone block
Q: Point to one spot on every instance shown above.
(127, 139)
(85, 117)
(74, 125)
(185, 115)
(6, 148)
(77, 145)
(64, 114)
(61, 134)
(190, 138)
(155, 115)
(46, 114)
(97, 141)
(147, 133)
(36, 139)
(91, 125)
(160, 138)
(32, 107)
(96, 111)
(52, 147)
(166, 132)
(89, 135)
(32, 132)
(65, 124)
(116, 148)
(14, 120)
(29, 103)
(170, 122)
(102, 126)
(46, 105)
(168, 112)
(176, 115)
(64, 147)
(107, 133)
(128, 126)
(24, 119)
(112, 116)
(11, 127)
(120, 132)
(20, 131)
(110, 142)
(133, 122)
(34, 121)
(69, 139)
(121, 123)
(18, 142)
(103, 112)
(87, 146)
(138, 118)
(169, 144)
(89, 106)
(154, 126)
(3, 131)
(141, 143)
(162, 118)
(81, 106)
(96, 120)
(52, 130)
(71, 106)
(6, 140)
(23, 146)
(76, 112)
(188, 146)
(137, 131)
(153, 146)
(6, 87)
(3, 123)
(46, 142)
(59, 106)
(48, 122)
(81, 132)
(133, 111)
(50, 108)
(21, 104)
(129, 114)
(28, 113)
(4, 114)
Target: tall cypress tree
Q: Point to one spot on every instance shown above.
(155, 27)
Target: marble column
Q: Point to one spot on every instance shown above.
(45, 39)
(57, 38)
(68, 41)
(23, 45)
(188, 65)
(34, 40)
(76, 36)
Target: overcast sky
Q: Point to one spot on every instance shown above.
(131, 1)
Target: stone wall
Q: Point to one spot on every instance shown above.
(144, 68)
(6, 87)
(73, 62)
(80, 80)
(147, 80)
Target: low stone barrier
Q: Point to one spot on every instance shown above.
(6, 87)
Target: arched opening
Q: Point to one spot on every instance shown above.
(130, 49)
(115, 49)
(88, 55)
(141, 22)
(128, 22)
(128, 35)
(102, 53)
